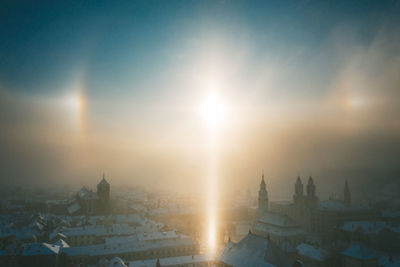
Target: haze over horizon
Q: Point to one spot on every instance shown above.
(309, 88)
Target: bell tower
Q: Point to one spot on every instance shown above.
(262, 196)
(103, 191)
(298, 197)
(311, 196)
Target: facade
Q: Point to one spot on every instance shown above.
(253, 250)
(280, 229)
(134, 250)
(314, 215)
(88, 202)
(302, 209)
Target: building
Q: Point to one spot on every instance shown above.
(130, 250)
(262, 197)
(93, 234)
(253, 250)
(280, 229)
(88, 202)
(311, 256)
(302, 208)
(315, 215)
(198, 260)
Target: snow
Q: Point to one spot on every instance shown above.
(253, 250)
(359, 251)
(311, 252)
(112, 248)
(174, 261)
(117, 262)
(61, 243)
(98, 230)
(34, 249)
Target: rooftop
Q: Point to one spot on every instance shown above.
(359, 251)
(277, 219)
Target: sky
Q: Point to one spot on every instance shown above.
(308, 88)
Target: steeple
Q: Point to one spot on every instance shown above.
(310, 187)
(298, 196)
(347, 195)
(103, 182)
(262, 196)
(262, 184)
(311, 199)
(298, 187)
(103, 192)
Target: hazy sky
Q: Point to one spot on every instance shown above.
(309, 88)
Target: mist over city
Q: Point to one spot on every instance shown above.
(200, 133)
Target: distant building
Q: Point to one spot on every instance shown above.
(88, 202)
(198, 260)
(130, 249)
(280, 229)
(262, 197)
(253, 250)
(314, 215)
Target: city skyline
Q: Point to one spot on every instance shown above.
(214, 133)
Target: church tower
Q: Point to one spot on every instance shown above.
(347, 195)
(262, 197)
(311, 196)
(298, 196)
(103, 192)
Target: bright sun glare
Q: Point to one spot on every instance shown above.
(213, 110)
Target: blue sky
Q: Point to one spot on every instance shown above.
(44, 44)
(91, 86)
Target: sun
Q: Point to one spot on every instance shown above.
(213, 110)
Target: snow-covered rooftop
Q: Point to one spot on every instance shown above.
(174, 261)
(40, 249)
(359, 251)
(254, 250)
(127, 247)
(311, 252)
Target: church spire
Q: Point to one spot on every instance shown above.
(310, 187)
(262, 196)
(298, 196)
(262, 179)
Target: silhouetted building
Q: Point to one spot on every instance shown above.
(280, 229)
(89, 202)
(315, 215)
(103, 192)
(253, 250)
(262, 197)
